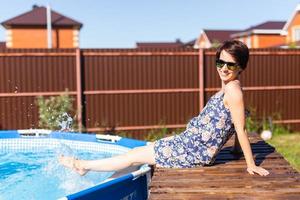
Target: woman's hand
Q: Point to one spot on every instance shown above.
(258, 170)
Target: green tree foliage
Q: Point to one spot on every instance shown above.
(292, 45)
(55, 110)
(156, 134)
(215, 44)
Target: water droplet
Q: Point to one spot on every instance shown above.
(65, 122)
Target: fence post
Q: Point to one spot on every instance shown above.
(201, 79)
(79, 88)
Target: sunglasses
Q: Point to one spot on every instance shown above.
(230, 65)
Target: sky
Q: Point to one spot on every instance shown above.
(122, 23)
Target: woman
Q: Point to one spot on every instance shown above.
(223, 115)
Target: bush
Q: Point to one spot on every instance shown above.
(254, 124)
(54, 112)
(156, 134)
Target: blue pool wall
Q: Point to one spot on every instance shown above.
(129, 186)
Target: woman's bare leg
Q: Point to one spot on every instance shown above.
(136, 156)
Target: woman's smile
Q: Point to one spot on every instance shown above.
(225, 74)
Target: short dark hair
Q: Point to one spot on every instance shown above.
(237, 49)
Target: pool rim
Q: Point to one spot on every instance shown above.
(143, 170)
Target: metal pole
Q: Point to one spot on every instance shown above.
(79, 89)
(49, 28)
(201, 79)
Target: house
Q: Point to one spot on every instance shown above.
(159, 45)
(29, 30)
(278, 34)
(2, 45)
(212, 38)
(190, 44)
(207, 39)
(291, 28)
(284, 34)
(267, 34)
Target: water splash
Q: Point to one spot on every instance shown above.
(69, 181)
(16, 89)
(64, 149)
(65, 122)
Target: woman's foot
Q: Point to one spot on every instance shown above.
(73, 164)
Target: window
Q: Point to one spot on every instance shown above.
(248, 41)
(297, 34)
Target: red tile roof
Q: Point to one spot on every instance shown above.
(268, 25)
(2, 45)
(219, 35)
(190, 44)
(142, 45)
(37, 17)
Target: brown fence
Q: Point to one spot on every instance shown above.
(133, 90)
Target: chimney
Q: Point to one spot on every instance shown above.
(178, 41)
(35, 6)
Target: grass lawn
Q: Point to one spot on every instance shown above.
(288, 145)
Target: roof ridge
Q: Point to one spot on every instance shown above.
(20, 15)
(64, 16)
(221, 29)
(37, 16)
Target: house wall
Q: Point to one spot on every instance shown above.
(265, 41)
(242, 39)
(28, 38)
(37, 38)
(202, 42)
(248, 40)
(65, 38)
(262, 41)
(294, 24)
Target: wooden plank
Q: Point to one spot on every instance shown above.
(228, 178)
(220, 196)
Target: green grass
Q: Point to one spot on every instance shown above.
(288, 145)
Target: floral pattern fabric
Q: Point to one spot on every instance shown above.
(201, 141)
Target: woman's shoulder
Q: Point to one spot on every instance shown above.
(233, 85)
(233, 89)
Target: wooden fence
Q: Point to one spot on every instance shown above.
(135, 90)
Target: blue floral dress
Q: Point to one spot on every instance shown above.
(201, 141)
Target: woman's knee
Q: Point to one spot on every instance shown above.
(144, 154)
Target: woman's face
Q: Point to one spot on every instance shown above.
(226, 74)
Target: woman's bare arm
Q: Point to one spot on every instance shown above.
(234, 99)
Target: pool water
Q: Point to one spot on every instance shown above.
(38, 175)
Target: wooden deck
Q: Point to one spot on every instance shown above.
(228, 178)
